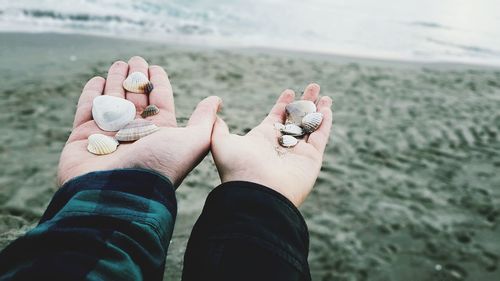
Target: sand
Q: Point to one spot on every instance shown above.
(410, 184)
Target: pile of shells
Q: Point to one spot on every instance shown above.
(301, 119)
(113, 114)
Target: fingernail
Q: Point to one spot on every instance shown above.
(221, 103)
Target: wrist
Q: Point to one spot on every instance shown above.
(287, 190)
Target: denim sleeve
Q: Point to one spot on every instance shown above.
(107, 225)
(247, 231)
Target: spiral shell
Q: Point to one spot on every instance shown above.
(100, 144)
(287, 141)
(311, 122)
(150, 110)
(296, 110)
(112, 113)
(137, 82)
(292, 130)
(136, 129)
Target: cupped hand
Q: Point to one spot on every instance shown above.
(257, 157)
(171, 151)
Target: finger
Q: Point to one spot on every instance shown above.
(162, 95)
(311, 92)
(116, 74)
(138, 64)
(205, 114)
(277, 113)
(92, 89)
(319, 138)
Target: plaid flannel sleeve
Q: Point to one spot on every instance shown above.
(107, 225)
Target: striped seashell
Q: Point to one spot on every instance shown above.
(136, 129)
(296, 110)
(288, 141)
(292, 130)
(311, 122)
(150, 110)
(112, 113)
(100, 144)
(138, 83)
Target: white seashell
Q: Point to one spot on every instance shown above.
(288, 141)
(136, 129)
(150, 110)
(279, 126)
(112, 113)
(296, 110)
(292, 130)
(311, 122)
(137, 82)
(100, 144)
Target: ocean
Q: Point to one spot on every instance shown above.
(464, 31)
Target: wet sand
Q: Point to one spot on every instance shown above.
(410, 184)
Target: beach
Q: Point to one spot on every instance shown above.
(409, 188)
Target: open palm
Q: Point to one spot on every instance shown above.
(171, 151)
(257, 156)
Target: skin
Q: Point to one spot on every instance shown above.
(174, 151)
(254, 157)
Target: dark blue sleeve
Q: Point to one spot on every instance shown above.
(107, 225)
(247, 232)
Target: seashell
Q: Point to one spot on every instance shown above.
(112, 113)
(292, 130)
(311, 122)
(100, 144)
(287, 141)
(279, 126)
(150, 110)
(296, 110)
(136, 129)
(137, 82)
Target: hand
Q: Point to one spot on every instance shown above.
(171, 151)
(255, 158)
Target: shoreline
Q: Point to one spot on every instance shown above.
(252, 50)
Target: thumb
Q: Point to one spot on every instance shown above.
(220, 129)
(205, 113)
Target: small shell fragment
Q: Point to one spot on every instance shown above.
(296, 110)
(138, 83)
(100, 144)
(292, 130)
(112, 113)
(288, 141)
(136, 129)
(279, 126)
(311, 122)
(150, 110)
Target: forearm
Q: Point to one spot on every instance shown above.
(110, 225)
(247, 232)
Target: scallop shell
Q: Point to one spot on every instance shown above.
(137, 82)
(150, 110)
(311, 122)
(292, 130)
(136, 129)
(100, 144)
(112, 113)
(296, 110)
(288, 141)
